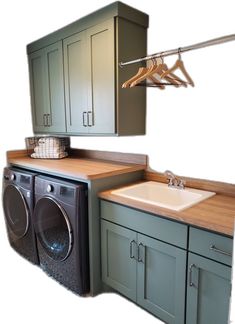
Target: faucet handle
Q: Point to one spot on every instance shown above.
(181, 183)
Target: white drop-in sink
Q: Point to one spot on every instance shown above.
(160, 194)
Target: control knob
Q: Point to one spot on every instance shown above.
(12, 177)
(49, 188)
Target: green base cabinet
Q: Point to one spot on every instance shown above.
(208, 291)
(179, 273)
(148, 271)
(119, 258)
(161, 279)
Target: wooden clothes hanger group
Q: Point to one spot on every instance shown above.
(158, 72)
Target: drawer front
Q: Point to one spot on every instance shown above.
(151, 225)
(211, 245)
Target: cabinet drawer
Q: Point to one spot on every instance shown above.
(211, 245)
(151, 225)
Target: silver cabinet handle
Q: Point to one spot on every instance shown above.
(215, 249)
(48, 120)
(132, 256)
(191, 284)
(139, 258)
(90, 119)
(44, 120)
(84, 118)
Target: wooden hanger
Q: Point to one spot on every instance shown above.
(141, 71)
(159, 69)
(179, 65)
(148, 75)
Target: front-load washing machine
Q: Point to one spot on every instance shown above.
(61, 226)
(18, 203)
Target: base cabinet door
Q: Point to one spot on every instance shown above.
(208, 291)
(148, 271)
(118, 247)
(161, 279)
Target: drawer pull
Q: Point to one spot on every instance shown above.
(215, 249)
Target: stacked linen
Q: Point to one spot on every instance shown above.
(49, 148)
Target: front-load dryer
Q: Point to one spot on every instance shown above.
(18, 203)
(61, 226)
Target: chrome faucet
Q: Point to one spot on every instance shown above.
(174, 181)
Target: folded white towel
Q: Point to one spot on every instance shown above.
(49, 156)
(49, 141)
(44, 149)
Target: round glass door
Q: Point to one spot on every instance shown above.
(15, 210)
(53, 229)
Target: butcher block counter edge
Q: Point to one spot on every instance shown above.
(215, 214)
(91, 165)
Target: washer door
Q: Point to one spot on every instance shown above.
(53, 228)
(16, 211)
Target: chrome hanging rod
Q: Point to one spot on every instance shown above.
(215, 41)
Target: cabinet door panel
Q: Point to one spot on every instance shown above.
(76, 82)
(209, 292)
(55, 88)
(118, 268)
(101, 92)
(37, 72)
(161, 279)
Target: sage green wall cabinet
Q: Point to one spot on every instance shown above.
(47, 89)
(209, 281)
(150, 272)
(89, 80)
(87, 72)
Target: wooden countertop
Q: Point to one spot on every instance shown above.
(215, 214)
(74, 167)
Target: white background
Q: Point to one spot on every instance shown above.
(190, 131)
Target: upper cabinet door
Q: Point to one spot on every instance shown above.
(76, 82)
(55, 90)
(37, 90)
(101, 78)
(47, 92)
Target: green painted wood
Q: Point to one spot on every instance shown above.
(151, 225)
(161, 279)
(101, 78)
(76, 82)
(94, 187)
(55, 90)
(37, 74)
(131, 103)
(113, 10)
(47, 89)
(95, 102)
(118, 247)
(208, 296)
(200, 242)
